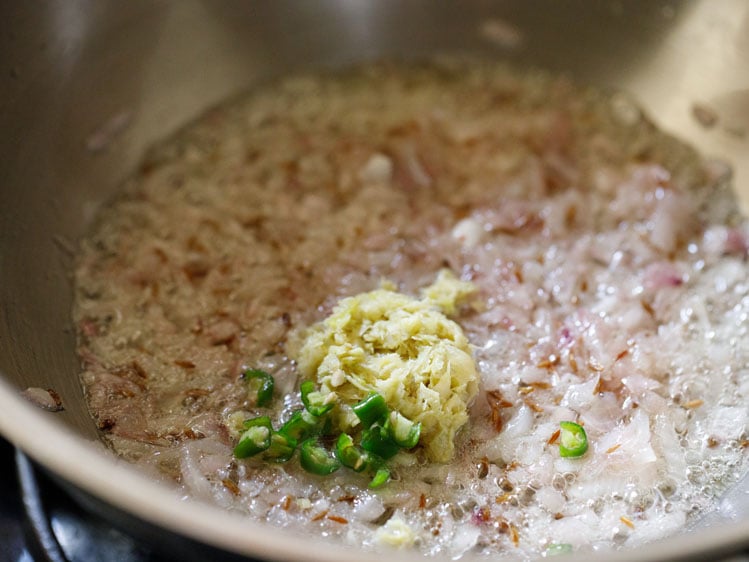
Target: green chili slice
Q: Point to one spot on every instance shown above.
(315, 459)
(349, 454)
(376, 440)
(381, 477)
(261, 385)
(403, 431)
(573, 442)
(557, 549)
(373, 408)
(317, 403)
(301, 425)
(281, 448)
(255, 439)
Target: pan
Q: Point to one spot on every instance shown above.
(86, 87)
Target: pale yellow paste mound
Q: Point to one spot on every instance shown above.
(404, 348)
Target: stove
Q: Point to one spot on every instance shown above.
(40, 522)
(12, 539)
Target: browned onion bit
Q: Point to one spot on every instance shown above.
(46, 399)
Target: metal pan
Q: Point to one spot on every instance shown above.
(85, 87)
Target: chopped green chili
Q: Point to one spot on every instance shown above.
(349, 454)
(255, 439)
(381, 477)
(573, 442)
(317, 403)
(557, 549)
(403, 431)
(281, 448)
(384, 433)
(261, 384)
(316, 459)
(301, 425)
(372, 409)
(376, 440)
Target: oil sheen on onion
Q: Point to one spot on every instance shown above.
(609, 262)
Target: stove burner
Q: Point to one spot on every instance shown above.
(65, 532)
(12, 540)
(44, 521)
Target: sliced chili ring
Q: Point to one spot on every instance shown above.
(301, 425)
(316, 459)
(281, 448)
(380, 478)
(376, 439)
(261, 385)
(372, 409)
(349, 454)
(403, 431)
(573, 442)
(317, 403)
(255, 439)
